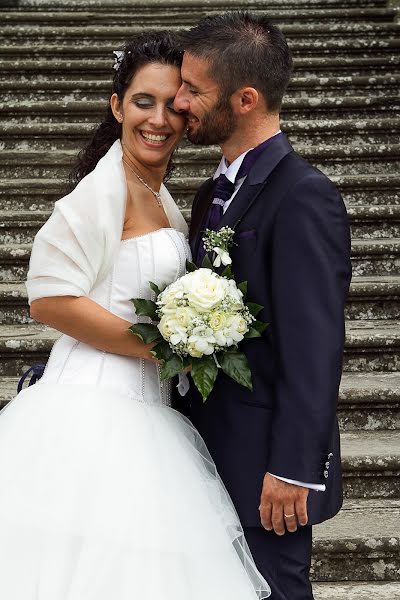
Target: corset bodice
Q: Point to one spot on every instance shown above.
(159, 257)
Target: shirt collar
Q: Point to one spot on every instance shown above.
(231, 171)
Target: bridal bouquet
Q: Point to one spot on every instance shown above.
(199, 320)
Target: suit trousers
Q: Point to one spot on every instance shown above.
(284, 561)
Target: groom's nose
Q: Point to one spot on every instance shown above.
(181, 100)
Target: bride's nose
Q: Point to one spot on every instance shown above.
(158, 116)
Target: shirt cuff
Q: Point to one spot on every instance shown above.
(319, 487)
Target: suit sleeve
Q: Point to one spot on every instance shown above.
(311, 270)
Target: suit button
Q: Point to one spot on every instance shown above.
(326, 474)
(327, 464)
(330, 455)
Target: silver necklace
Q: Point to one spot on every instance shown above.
(156, 195)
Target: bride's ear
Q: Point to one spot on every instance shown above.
(116, 108)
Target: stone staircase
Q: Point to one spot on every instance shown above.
(341, 113)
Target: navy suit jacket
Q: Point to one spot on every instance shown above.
(293, 248)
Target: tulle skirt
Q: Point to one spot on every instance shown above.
(103, 497)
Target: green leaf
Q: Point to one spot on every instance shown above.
(204, 373)
(155, 288)
(147, 332)
(243, 287)
(227, 272)
(172, 367)
(162, 351)
(190, 266)
(207, 264)
(236, 366)
(252, 333)
(146, 308)
(254, 308)
(260, 326)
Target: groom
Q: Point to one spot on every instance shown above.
(277, 447)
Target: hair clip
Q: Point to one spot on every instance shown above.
(119, 57)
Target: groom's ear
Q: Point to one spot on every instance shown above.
(245, 100)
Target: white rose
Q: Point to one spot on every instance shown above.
(172, 330)
(217, 320)
(171, 293)
(205, 289)
(238, 324)
(184, 316)
(234, 328)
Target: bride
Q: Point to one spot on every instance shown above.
(107, 493)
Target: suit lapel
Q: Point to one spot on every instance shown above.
(256, 180)
(197, 224)
(251, 188)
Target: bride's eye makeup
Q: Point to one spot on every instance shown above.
(143, 101)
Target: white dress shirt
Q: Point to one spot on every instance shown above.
(230, 172)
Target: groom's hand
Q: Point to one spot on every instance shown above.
(282, 505)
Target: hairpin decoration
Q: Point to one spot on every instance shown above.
(119, 57)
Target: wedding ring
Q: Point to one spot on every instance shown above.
(289, 516)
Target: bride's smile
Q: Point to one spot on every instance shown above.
(151, 129)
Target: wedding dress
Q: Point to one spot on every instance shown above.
(106, 492)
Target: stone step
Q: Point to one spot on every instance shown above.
(308, 67)
(46, 88)
(187, 15)
(371, 464)
(301, 45)
(369, 402)
(369, 257)
(376, 257)
(192, 161)
(40, 194)
(31, 134)
(356, 591)
(372, 298)
(370, 459)
(370, 346)
(60, 34)
(322, 107)
(360, 544)
(373, 222)
(367, 222)
(110, 6)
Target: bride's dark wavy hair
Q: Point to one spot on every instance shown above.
(147, 48)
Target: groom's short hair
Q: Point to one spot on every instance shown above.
(243, 49)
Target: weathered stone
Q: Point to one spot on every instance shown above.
(340, 113)
(356, 591)
(360, 544)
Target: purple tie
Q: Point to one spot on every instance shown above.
(224, 189)
(222, 192)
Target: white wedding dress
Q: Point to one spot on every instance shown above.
(107, 493)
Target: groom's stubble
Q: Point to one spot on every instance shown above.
(216, 126)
